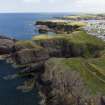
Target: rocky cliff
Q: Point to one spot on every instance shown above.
(42, 47)
(79, 43)
(6, 44)
(74, 77)
(58, 26)
(72, 82)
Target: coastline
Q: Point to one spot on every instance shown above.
(54, 63)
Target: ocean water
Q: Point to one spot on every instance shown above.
(9, 95)
(22, 26)
(18, 26)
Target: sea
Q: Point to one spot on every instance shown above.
(20, 26)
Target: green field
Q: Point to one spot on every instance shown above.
(91, 70)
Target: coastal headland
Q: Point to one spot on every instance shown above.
(68, 67)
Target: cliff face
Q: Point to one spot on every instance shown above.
(6, 45)
(71, 83)
(78, 44)
(63, 48)
(73, 45)
(26, 56)
(43, 47)
(58, 26)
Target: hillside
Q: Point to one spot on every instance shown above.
(76, 77)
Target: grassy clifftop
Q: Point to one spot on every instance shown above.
(76, 37)
(79, 43)
(27, 44)
(76, 44)
(91, 70)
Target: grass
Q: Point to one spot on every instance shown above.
(83, 37)
(48, 37)
(99, 63)
(76, 23)
(76, 37)
(27, 44)
(42, 37)
(93, 76)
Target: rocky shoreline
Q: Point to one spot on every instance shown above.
(67, 68)
(58, 26)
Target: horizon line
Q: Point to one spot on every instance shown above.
(54, 12)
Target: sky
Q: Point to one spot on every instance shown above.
(85, 6)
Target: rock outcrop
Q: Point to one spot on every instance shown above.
(64, 83)
(58, 26)
(6, 45)
(27, 56)
(77, 44)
